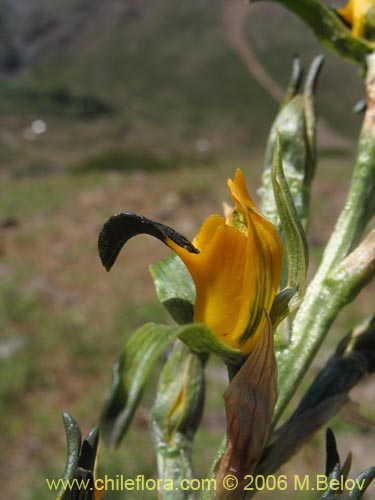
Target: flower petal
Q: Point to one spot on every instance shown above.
(263, 265)
(121, 227)
(237, 272)
(217, 272)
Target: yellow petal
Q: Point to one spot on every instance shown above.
(264, 263)
(217, 272)
(239, 192)
(236, 273)
(359, 14)
(347, 12)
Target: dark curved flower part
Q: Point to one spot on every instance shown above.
(337, 474)
(353, 358)
(121, 227)
(333, 457)
(334, 469)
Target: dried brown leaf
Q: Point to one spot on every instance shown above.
(249, 403)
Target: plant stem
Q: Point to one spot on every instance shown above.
(324, 299)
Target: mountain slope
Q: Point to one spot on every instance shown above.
(164, 69)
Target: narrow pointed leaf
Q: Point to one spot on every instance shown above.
(281, 305)
(365, 479)
(331, 452)
(129, 377)
(292, 435)
(351, 361)
(295, 128)
(289, 126)
(73, 441)
(89, 449)
(310, 130)
(134, 365)
(175, 288)
(81, 462)
(295, 81)
(345, 469)
(294, 236)
(336, 493)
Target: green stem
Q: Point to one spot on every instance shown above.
(323, 299)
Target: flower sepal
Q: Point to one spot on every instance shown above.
(175, 288)
(202, 339)
(289, 298)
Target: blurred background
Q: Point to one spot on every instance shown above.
(146, 107)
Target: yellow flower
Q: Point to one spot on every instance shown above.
(237, 270)
(360, 16)
(235, 263)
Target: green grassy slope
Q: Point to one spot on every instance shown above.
(158, 76)
(129, 85)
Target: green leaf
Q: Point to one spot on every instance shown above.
(129, 377)
(73, 441)
(80, 463)
(295, 124)
(364, 479)
(329, 28)
(281, 308)
(175, 288)
(295, 82)
(134, 364)
(176, 416)
(310, 126)
(295, 240)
